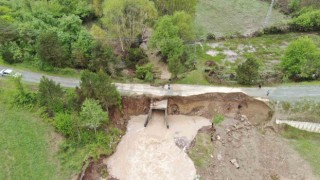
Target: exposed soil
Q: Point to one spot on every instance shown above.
(205, 105)
(260, 153)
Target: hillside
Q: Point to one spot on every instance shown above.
(234, 16)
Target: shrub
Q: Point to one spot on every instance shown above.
(301, 59)
(64, 125)
(136, 56)
(211, 36)
(217, 119)
(11, 53)
(248, 72)
(145, 72)
(308, 21)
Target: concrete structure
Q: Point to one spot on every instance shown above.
(158, 105)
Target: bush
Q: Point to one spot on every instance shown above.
(145, 72)
(64, 125)
(211, 36)
(11, 53)
(136, 56)
(218, 119)
(248, 72)
(308, 21)
(301, 59)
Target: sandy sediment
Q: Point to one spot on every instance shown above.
(151, 152)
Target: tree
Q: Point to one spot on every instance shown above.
(81, 49)
(50, 95)
(169, 7)
(166, 38)
(50, 49)
(248, 72)
(185, 24)
(92, 114)
(101, 59)
(97, 7)
(126, 19)
(99, 86)
(302, 59)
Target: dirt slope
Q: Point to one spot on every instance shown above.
(261, 154)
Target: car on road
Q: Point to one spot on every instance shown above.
(9, 72)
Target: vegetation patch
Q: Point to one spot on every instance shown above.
(202, 152)
(307, 144)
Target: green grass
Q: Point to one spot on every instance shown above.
(194, 77)
(202, 151)
(223, 17)
(29, 145)
(307, 144)
(26, 148)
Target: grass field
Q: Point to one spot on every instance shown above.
(28, 145)
(223, 17)
(307, 144)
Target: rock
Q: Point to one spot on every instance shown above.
(243, 118)
(235, 163)
(219, 157)
(218, 137)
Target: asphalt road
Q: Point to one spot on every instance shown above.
(280, 93)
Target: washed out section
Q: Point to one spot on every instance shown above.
(151, 152)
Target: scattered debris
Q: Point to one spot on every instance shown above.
(235, 163)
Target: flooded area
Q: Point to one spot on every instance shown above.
(152, 153)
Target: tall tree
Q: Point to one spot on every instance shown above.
(126, 19)
(99, 86)
(50, 49)
(248, 72)
(50, 95)
(92, 114)
(166, 39)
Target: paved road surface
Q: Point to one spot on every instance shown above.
(286, 93)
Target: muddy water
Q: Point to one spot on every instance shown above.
(151, 152)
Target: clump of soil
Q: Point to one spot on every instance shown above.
(260, 154)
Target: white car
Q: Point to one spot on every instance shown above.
(9, 72)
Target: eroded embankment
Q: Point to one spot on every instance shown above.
(146, 152)
(205, 105)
